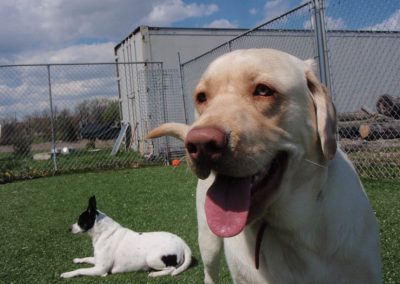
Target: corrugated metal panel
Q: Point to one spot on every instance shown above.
(363, 66)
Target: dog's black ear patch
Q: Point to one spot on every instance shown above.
(92, 204)
(87, 219)
(170, 260)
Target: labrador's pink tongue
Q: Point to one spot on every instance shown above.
(227, 205)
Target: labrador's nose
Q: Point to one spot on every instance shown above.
(206, 144)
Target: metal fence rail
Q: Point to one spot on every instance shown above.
(67, 117)
(360, 64)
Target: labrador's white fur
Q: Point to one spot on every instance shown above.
(319, 226)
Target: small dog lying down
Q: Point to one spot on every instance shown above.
(118, 249)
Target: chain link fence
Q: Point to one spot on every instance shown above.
(364, 58)
(68, 117)
(364, 65)
(73, 117)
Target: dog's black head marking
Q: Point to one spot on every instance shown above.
(87, 219)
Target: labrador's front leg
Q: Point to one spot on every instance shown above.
(210, 245)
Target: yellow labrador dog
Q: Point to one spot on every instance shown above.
(274, 191)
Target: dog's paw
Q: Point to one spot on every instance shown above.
(77, 260)
(153, 274)
(67, 275)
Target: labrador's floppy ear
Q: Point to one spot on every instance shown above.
(325, 113)
(177, 130)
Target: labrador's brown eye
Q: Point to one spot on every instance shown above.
(201, 97)
(263, 90)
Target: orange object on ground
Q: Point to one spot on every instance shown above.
(176, 163)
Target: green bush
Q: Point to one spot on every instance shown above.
(7, 166)
(91, 144)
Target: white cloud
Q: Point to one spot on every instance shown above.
(103, 52)
(331, 23)
(72, 31)
(221, 23)
(60, 21)
(60, 31)
(27, 90)
(275, 8)
(28, 26)
(69, 90)
(390, 24)
(28, 96)
(253, 11)
(172, 11)
(335, 24)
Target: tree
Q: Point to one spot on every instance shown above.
(111, 114)
(7, 131)
(22, 140)
(98, 111)
(40, 124)
(66, 127)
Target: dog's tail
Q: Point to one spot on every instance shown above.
(187, 255)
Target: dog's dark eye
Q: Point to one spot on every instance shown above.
(263, 90)
(201, 97)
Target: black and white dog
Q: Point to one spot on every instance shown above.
(118, 249)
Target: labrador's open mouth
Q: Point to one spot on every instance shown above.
(232, 202)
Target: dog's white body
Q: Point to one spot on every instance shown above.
(118, 249)
(264, 119)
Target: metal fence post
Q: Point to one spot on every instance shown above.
(320, 36)
(164, 110)
(53, 137)
(182, 88)
(119, 89)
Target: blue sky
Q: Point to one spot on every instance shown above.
(53, 31)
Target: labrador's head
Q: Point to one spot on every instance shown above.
(257, 111)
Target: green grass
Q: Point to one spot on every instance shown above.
(385, 199)
(35, 246)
